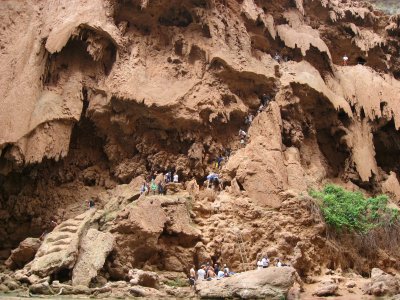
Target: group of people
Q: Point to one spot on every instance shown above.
(264, 101)
(152, 187)
(264, 262)
(208, 272)
(158, 188)
(171, 177)
(280, 59)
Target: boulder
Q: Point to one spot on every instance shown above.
(11, 284)
(269, 283)
(42, 288)
(350, 284)
(146, 227)
(3, 288)
(144, 278)
(382, 284)
(326, 288)
(23, 254)
(173, 188)
(5, 253)
(65, 289)
(139, 291)
(94, 249)
(260, 166)
(60, 247)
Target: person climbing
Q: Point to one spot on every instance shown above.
(153, 186)
(277, 57)
(261, 108)
(169, 177)
(212, 178)
(249, 119)
(242, 136)
(192, 277)
(91, 203)
(176, 178)
(53, 224)
(143, 188)
(259, 264)
(345, 59)
(265, 99)
(265, 262)
(227, 153)
(201, 273)
(242, 133)
(160, 188)
(278, 263)
(219, 161)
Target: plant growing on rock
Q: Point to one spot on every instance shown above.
(345, 210)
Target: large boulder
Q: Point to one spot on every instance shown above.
(94, 248)
(144, 278)
(60, 247)
(23, 254)
(269, 283)
(326, 288)
(382, 284)
(153, 228)
(260, 166)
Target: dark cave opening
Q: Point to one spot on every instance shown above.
(176, 16)
(30, 195)
(335, 153)
(63, 275)
(387, 147)
(327, 126)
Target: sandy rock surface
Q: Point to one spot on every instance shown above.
(23, 254)
(93, 251)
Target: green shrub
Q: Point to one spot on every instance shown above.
(350, 211)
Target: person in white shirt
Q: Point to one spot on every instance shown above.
(278, 263)
(226, 271)
(259, 265)
(265, 262)
(345, 59)
(201, 273)
(176, 178)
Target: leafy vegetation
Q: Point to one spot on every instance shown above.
(350, 211)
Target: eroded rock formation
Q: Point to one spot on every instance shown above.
(97, 96)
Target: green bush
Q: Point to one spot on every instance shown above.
(351, 211)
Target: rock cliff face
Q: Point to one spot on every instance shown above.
(97, 95)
